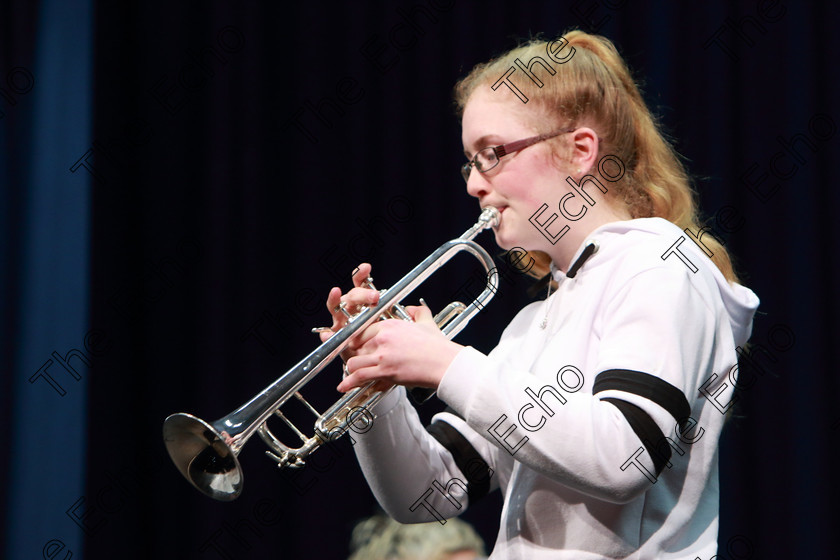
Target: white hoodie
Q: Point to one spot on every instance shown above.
(601, 429)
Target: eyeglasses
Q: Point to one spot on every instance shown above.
(487, 158)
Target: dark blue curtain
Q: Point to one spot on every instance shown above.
(182, 183)
(45, 76)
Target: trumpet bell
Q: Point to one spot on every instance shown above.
(202, 456)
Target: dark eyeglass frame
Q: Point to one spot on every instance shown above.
(505, 149)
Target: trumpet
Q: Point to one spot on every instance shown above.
(206, 453)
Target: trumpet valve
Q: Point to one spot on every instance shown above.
(343, 308)
(286, 460)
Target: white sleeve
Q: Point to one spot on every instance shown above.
(582, 442)
(412, 475)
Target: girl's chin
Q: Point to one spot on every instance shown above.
(509, 235)
(507, 242)
(503, 241)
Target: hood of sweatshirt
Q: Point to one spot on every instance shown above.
(653, 241)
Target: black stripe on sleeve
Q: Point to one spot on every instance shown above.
(474, 467)
(648, 386)
(647, 431)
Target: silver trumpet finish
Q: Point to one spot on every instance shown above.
(207, 453)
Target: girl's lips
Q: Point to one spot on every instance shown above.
(500, 210)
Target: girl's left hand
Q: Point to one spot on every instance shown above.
(397, 352)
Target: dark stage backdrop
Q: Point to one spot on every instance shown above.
(232, 161)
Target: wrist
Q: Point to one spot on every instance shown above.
(446, 355)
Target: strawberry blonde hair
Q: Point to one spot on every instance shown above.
(593, 85)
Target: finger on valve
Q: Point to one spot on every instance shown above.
(361, 275)
(333, 300)
(343, 306)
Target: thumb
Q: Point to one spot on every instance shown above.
(421, 314)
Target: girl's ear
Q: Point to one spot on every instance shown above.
(584, 150)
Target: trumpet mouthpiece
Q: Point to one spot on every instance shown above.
(490, 217)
